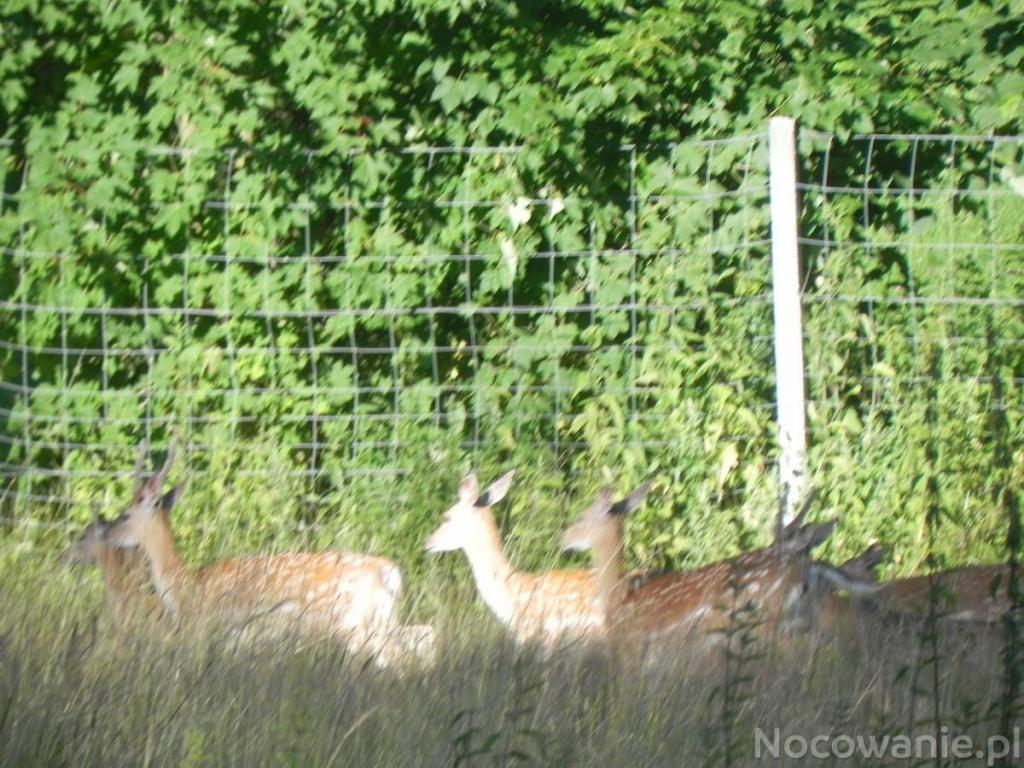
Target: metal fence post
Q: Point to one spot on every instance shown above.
(789, 353)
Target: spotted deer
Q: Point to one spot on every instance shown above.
(124, 572)
(850, 593)
(544, 607)
(351, 596)
(600, 529)
(659, 612)
(827, 606)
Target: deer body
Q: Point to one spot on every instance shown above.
(346, 595)
(547, 607)
(706, 600)
(972, 593)
(976, 593)
(341, 593)
(550, 606)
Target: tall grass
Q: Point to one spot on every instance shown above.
(75, 690)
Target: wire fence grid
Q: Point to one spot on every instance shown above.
(320, 316)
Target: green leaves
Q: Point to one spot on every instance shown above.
(257, 177)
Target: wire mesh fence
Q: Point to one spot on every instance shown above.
(913, 246)
(302, 319)
(346, 313)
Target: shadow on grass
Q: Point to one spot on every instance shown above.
(75, 690)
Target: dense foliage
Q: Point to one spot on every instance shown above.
(221, 202)
(569, 77)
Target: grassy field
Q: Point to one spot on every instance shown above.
(77, 690)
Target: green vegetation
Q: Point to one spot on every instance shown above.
(282, 192)
(347, 252)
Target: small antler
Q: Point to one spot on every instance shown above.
(168, 461)
(140, 463)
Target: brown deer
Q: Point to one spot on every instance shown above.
(546, 607)
(125, 572)
(350, 596)
(661, 611)
(974, 593)
(600, 529)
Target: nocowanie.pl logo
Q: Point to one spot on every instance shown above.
(847, 746)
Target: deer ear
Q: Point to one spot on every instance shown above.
(808, 537)
(165, 470)
(603, 505)
(150, 488)
(605, 500)
(469, 488)
(795, 526)
(634, 500)
(170, 498)
(496, 491)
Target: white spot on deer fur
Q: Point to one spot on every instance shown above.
(391, 576)
(792, 597)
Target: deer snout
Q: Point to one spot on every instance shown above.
(436, 542)
(573, 541)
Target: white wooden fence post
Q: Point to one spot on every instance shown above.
(789, 351)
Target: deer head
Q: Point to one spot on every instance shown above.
(855, 576)
(469, 521)
(148, 504)
(88, 547)
(599, 527)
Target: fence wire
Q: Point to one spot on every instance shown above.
(299, 319)
(913, 248)
(350, 313)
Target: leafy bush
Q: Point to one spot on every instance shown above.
(227, 224)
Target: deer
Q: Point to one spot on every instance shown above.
(973, 593)
(349, 596)
(124, 572)
(547, 608)
(600, 529)
(829, 605)
(657, 613)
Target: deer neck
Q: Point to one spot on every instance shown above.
(113, 569)
(170, 575)
(611, 586)
(492, 571)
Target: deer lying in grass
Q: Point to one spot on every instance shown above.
(545, 607)
(125, 572)
(670, 607)
(974, 593)
(349, 596)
